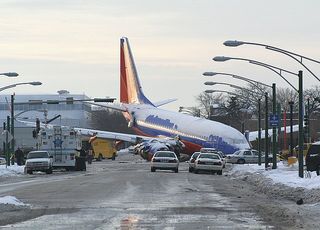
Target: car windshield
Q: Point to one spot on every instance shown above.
(165, 154)
(195, 155)
(210, 156)
(237, 153)
(32, 155)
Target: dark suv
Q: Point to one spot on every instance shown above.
(313, 158)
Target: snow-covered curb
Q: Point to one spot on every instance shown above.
(283, 174)
(283, 182)
(12, 170)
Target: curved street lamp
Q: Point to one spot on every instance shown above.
(34, 83)
(231, 85)
(250, 81)
(10, 74)
(275, 69)
(299, 58)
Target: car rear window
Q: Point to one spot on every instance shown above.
(314, 149)
(32, 155)
(210, 156)
(165, 154)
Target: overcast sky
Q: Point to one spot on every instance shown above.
(74, 44)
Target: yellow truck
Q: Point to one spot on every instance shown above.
(103, 149)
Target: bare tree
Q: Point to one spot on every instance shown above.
(108, 120)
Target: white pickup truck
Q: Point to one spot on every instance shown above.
(38, 161)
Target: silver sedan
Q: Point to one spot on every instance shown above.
(246, 156)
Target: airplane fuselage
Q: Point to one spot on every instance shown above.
(194, 132)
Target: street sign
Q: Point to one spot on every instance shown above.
(274, 120)
(6, 132)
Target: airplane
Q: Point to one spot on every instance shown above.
(159, 127)
(148, 120)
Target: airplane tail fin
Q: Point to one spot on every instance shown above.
(130, 88)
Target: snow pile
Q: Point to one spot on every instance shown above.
(283, 182)
(283, 174)
(12, 170)
(11, 200)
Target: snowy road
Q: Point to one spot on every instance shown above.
(126, 195)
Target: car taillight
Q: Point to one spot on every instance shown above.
(155, 160)
(173, 161)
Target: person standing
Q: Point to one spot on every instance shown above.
(19, 156)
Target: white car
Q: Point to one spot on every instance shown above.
(165, 160)
(192, 160)
(39, 161)
(3, 161)
(213, 150)
(208, 162)
(247, 156)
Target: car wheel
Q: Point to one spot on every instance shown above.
(190, 169)
(153, 169)
(99, 157)
(176, 170)
(49, 171)
(241, 161)
(29, 172)
(196, 171)
(219, 172)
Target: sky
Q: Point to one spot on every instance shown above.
(74, 44)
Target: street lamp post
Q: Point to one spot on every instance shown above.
(266, 134)
(299, 90)
(291, 127)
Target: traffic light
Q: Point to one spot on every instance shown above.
(306, 120)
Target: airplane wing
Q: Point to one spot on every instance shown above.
(118, 107)
(145, 146)
(164, 102)
(254, 135)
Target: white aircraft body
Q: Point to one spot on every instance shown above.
(148, 120)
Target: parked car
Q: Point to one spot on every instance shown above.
(313, 158)
(165, 160)
(246, 156)
(38, 161)
(208, 162)
(3, 161)
(213, 150)
(192, 160)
